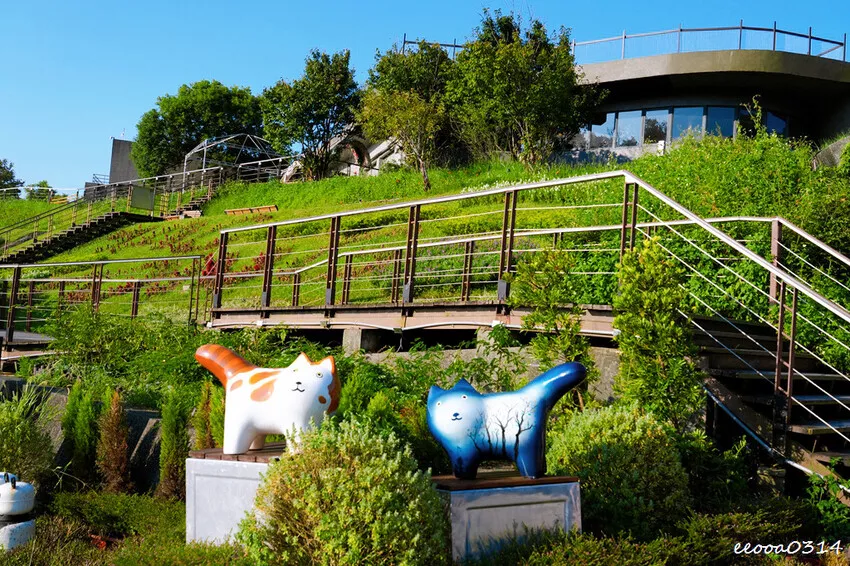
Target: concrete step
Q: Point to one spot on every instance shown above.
(814, 376)
(808, 400)
(828, 456)
(817, 427)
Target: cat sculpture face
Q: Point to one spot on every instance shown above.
(472, 427)
(261, 401)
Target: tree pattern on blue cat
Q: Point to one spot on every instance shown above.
(473, 427)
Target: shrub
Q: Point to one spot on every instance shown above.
(113, 460)
(201, 418)
(350, 496)
(717, 480)
(84, 437)
(217, 415)
(25, 446)
(656, 348)
(174, 448)
(631, 476)
(832, 514)
(57, 540)
(844, 161)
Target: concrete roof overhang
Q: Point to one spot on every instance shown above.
(774, 74)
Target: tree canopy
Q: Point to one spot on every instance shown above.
(7, 176)
(517, 91)
(312, 111)
(202, 110)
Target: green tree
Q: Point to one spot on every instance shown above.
(312, 111)
(202, 110)
(113, 458)
(656, 346)
(39, 191)
(518, 91)
(423, 70)
(406, 118)
(8, 180)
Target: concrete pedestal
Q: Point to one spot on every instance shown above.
(220, 489)
(15, 531)
(488, 511)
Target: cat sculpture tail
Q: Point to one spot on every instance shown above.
(222, 362)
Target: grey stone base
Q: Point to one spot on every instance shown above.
(483, 519)
(16, 534)
(218, 494)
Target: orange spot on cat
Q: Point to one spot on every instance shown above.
(263, 392)
(334, 390)
(322, 399)
(260, 375)
(236, 384)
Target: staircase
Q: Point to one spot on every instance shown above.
(59, 242)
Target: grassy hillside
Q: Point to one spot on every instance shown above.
(15, 210)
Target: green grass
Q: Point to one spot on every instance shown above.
(15, 210)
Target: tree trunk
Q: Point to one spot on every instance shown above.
(426, 182)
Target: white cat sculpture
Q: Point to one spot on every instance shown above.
(261, 401)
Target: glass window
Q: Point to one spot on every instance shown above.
(720, 121)
(655, 126)
(687, 122)
(746, 122)
(602, 135)
(581, 139)
(628, 128)
(776, 123)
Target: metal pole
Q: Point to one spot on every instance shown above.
(396, 281)
(410, 254)
(810, 41)
(774, 35)
(192, 291)
(679, 40)
(59, 299)
(403, 43)
(624, 223)
(779, 430)
(775, 253)
(623, 50)
(30, 290)
(333, 253)
(740, 34)
(507, 244)
(296, 288)
(219, 273)
(467, 270)
(13, 299)
(134, 308)
(633, 227)
(346, 280)
(844, 49)
(268, 271)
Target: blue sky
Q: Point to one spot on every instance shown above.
(75, 74)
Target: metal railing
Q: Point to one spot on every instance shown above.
(691, 40)
(464, 249)
(34, 295)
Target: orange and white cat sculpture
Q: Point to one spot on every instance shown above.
(261, 401)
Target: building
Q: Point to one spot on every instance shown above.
(665, 85)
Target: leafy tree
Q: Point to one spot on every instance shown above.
(39, 191)
(8, 180)
(408, 119)
(423, 70)
(202, 110)
(656, 348)
(518, 91)
(312, 111)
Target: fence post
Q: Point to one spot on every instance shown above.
(410, 254)
(296, 288)
(13, 299)
(346, 280)
(134, 308)
(333, 253)
(774, 35)
(35, 231)
(219, 273)
(740, 34)
(624, 225)
(469, 249)
(403, 43)
(506, 248)
(195, 270)
(623, 50)
(810, 41)
(74, 213)
(59, 299)
(396, 280)
(776, 255)
(153, 202)
(30, 291)
(268, 272)
(844, 49)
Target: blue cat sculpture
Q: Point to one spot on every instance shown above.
(472, 427)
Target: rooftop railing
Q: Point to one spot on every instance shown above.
(692, 40)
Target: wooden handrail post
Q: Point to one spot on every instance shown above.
(346, 280)
(396, 280)
(333, 254)
(30, 291)
(13, 300)
(466, 280)
(296, 288)
(59, 298)
(134, 306)
(411, 248)
(268, 271)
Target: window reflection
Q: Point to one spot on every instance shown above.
(602, 135)
(776, 123)
(655, 126)
(687, 121)
(746, 122)
(720, 121)
(628, 128)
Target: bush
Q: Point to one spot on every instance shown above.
(25, 446)
(351, 496)
(201, 418)
(174, 448)
(656, 348)
(833, 515)
(58, 540)
(717, 480)
(113, 460)
(844, 161)
(631, 476)
(84, 436)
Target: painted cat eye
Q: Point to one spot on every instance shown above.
(463, 396)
